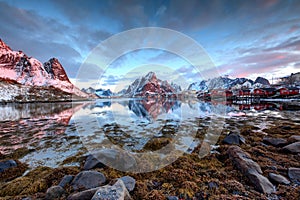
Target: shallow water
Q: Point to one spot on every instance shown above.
(58, 131)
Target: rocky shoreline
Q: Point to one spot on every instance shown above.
(249, 164)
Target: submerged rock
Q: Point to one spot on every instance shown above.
(117, 191)
(54, 192)
(294, 174)
(84, 195)
(87, 180)
(249, 168)
(276, 142)
(292, 148)
(278, 179)
(92, 162)
(233, 138)
(7, 164)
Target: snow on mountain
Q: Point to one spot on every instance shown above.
(103, 93)
(17, 66)
(150, 85)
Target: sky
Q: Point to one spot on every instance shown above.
(241, 38)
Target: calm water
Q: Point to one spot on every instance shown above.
(57, 131)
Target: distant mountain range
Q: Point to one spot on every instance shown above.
(24, 78)
(227, 83)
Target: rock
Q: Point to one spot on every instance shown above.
(87, 180)
(84, 195)
(233, 138)
(276, 178)
(7, 164)
(54, 192)
(212, 185)
(294, 138)
(292, 148)
(65, 180)
(129, 182)
(117, 191)
(276, 142)
(92, 162)
(172, 198)
(294, 174)
(249, 168)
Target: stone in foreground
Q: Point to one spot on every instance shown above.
(54, 192)
(251, 169)
(129, 182)
(117, 191)
(293, 148)
(7, 164)
(294, 174)
(276, 142)
(84, 195)
(87, 180)
(278, 179)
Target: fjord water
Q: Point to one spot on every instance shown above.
(55, 132)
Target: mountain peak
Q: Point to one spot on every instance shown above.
(56, 70)
(4, 46)
(151, 75)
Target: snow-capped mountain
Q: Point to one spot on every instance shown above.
(226, 83)
(103, 93)
(17, 67)
(150, 85)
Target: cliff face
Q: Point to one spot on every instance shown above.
(16, 66)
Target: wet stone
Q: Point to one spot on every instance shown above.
(129, 182)
(65, 180)
(84, 195)
(7, 164)
(294, 138)
(276, 142)
(233, 138)
(117, 191)
(87, 180)
(292, 148)
(276, 178)
(54, 192)
(294, 175)
(92, 162)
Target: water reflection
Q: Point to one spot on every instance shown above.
(133, 125)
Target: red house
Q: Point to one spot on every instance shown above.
(244, 92)
(258, 92)
(269, 91)
(221, 93)
(288, 91)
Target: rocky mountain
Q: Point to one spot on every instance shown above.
(103, 93)
(17, 68)
(226, 83)
(150, 85)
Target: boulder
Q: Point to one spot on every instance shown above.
(294, 174)
(129, 182)
(117, 191)
(54, 192)
(251, 169)
(87, 180)
(7, 164)
(276, 178)
(292, 148)
(233, 138)
(84, 195)
(294, 138)
(65, 180)
(276, 142)
(92, 162)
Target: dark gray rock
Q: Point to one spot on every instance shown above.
(54, 192)
(276, 178)
(233, 138)
(276, 142)
(129, 182)
(294, 138)
(172, 198)
(92, 162)
(212, 185)
(87, 180)
(7, 164)
(294, 174)
(84, 195)
(65, 180)
(117, 191)
(292, 148)
(249, 168)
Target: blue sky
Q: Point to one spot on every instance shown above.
(243, 38)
